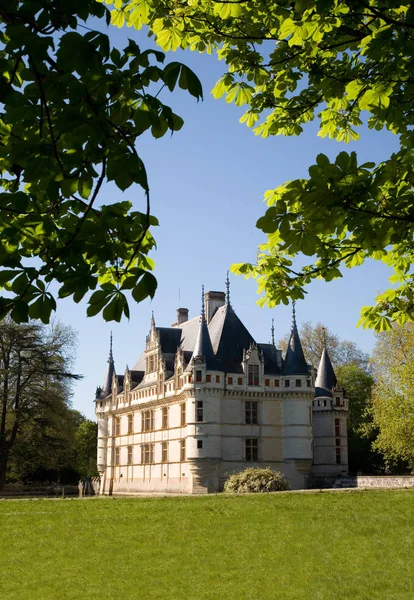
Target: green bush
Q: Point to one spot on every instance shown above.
(256, 480)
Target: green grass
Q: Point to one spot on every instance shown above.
(356, 545)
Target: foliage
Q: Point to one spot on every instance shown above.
(393, 394)
(262, 546)
(72, 109)
(34, 390)
(287, 62)
(256, 479)
(85, 444)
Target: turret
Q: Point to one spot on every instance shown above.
(295, 362)
(101, 413)
(203, 353)
(330, 411)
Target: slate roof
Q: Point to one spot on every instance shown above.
(272, 359)
(326, 378)
(203, 347)
(295, 362)
(229, 338)
(110, 370)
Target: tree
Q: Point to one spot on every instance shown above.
(34, 383)
(85, 445)
(393, 394)
(289, 61)
(72, 108)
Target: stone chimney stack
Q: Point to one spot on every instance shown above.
(213, 301)
(182, 315)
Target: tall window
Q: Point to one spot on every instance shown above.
(130, 452)
(252, 450)
(338, 401)
(165, 417)
(164, 452)
(251, 413)
(182, 450)
(147, 454)
(253, 374)
(287, 383)
(148, 420)
(298, 383)
(117, 425)
(199, 415)
(337, 430)
(198, 376)
(183, 417)
(117, 454)
(130, 424)
(338, 456)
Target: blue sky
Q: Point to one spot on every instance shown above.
(207, 183)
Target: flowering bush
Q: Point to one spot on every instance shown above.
(256, 480)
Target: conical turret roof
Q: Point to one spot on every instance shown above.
(110, 370)
(295, 362)
(203, 347)
(326, 378)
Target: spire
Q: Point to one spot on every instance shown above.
(295, 362)
(203, 305)
(228, 290)
(273, 331)
(203, 348)
(326, 379)
(110, 370)
(152, 320)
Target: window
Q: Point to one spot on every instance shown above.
(251, 413)
(338, 456)
(276, 382)
(338, 401)
(298, 383)
(252, 449)
(130, 452)
(325, 403)
(117, 425)
(230, 380)
(253, 374)
(217, 378)
(183, 417)
(182, 450)
(267, 382)
(199, 444)
(165, 417)
(148, 420)
(147, 454)
(117, 454)
(337, 430)
(308, 383)
(130, 424)
(164, 452)
(240, 381)
(198, 376)
(337, 441)
(287, 383)
(208, 378)
(199, 415)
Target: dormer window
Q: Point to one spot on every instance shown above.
(253, 374)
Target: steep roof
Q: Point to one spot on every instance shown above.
(110, 370)
(295, 362)
(326, 378)
(229, 338)
(272, 364)
(203, 348)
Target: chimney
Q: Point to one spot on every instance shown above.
(182, 315)
(213, 301)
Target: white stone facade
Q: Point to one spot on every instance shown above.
(180, 423)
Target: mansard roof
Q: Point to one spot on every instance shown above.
(326, 378)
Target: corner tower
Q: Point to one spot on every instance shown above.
(330, 412)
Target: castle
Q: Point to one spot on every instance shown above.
(204, 400)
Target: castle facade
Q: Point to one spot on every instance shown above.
(205, 400)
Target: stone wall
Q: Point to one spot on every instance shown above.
(374, 481)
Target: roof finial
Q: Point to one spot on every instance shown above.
(273, 332)
(294, 314)
(111, 358)
(228, 290)
(203, 308)
(324, 337)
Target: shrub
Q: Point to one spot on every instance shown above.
(256, 480)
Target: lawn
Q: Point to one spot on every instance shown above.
(345, 545)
